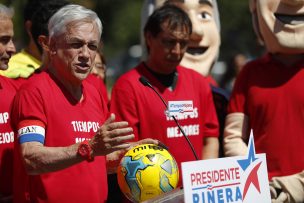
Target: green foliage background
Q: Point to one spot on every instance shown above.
(121, 29)
(121, 20)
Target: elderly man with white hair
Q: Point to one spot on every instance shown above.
(64, 130)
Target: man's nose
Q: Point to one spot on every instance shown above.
(85, 51)
(177, 49)
(11, 49)
(180, 47)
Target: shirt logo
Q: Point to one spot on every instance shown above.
(180, 108)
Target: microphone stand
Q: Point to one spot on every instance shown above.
(146, 82)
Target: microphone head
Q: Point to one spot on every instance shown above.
(143, 80)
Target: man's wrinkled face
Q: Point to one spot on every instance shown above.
(205, 39)
(281, 24)
(7, 47)
(76, 51)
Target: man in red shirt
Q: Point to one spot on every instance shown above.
(167, 35)
(7, 93)
(203, 47)
(62, 123)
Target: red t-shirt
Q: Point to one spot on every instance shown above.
(272, 96)
(7, 93)
(211, 81)
(67, 121)
(145, 112)
(99, 84)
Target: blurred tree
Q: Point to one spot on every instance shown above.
(121, 20)
(237, 32)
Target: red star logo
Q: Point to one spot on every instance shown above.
(252, 178)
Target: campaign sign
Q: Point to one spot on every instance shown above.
(232, 179)
(178, 108)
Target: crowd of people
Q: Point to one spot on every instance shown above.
(59, 130)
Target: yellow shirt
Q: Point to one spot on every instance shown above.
(22, 65)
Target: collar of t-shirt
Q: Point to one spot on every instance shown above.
(168, 80)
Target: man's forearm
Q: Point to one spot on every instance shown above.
(40, 159)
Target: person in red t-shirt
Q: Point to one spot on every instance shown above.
(203, 48)
(268, 98)
(60, 119)
(167, 33)
(7, 93)
(40, 35)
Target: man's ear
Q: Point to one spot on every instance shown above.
(28, 27)
(148, 37)
(44, 42)
(50, 46)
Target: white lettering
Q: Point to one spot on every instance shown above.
(184, 116)
(90, 125)
(74, 125)
(190, 130)
(4, 117)
(85, 126)
(7, 137)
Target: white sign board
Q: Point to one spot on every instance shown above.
(233, 179)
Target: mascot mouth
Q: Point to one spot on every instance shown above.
(196, 50)
(290, 19)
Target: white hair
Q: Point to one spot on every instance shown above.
(68, 14)
(6, 12)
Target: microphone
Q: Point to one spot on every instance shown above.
(143, 80)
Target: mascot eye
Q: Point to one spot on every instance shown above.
(205, 16)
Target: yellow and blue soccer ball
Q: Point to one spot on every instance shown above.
(147, 171)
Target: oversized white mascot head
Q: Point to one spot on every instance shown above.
(279, 24)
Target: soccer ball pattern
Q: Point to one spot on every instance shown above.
(147, 171)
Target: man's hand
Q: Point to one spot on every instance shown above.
(114, 158)
(111, 136)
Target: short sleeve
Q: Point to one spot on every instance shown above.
(28, 105)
